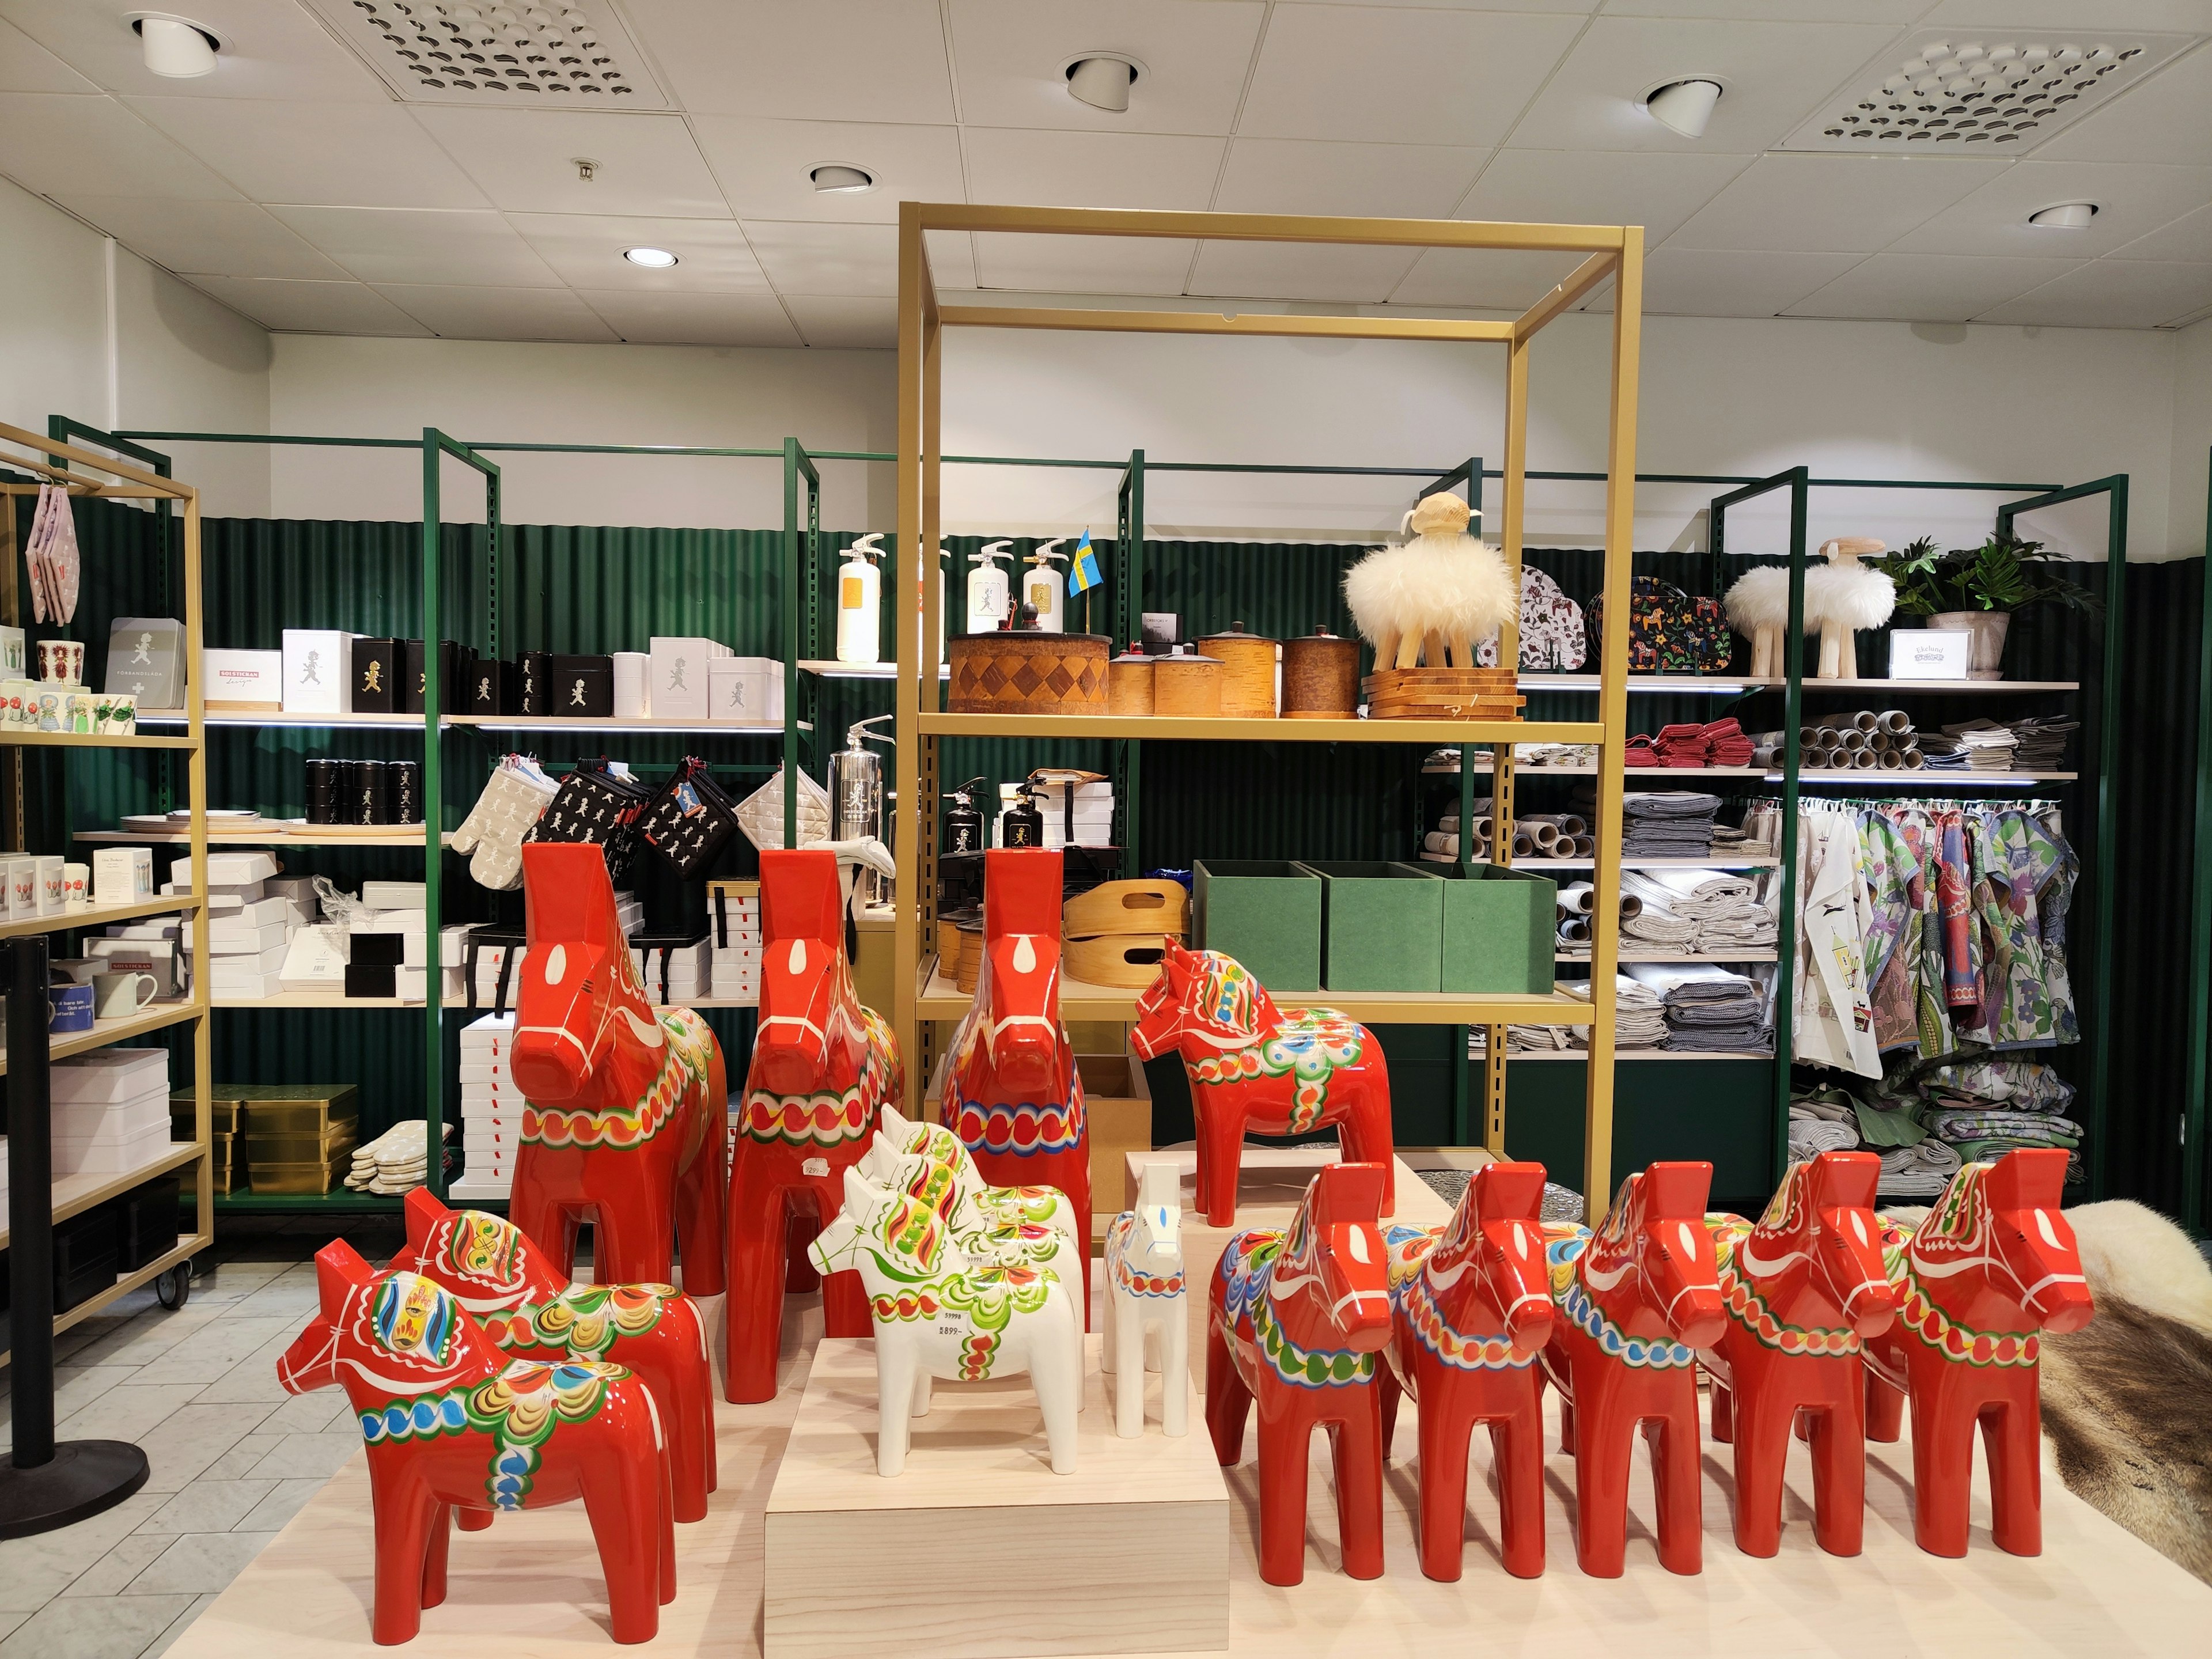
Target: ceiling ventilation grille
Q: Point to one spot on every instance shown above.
(1969, 94)
(512, 54)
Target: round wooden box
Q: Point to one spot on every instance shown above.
(1321, 678)
(1018, 672)
(1129, 683)
(1188, 686)
(1247, 672)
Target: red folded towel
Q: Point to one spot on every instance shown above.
(1639, 752)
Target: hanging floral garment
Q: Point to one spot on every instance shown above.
(2026, 995)
(1891, 860)
(1954, 886)
(1834, 1020)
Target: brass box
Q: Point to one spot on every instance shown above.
(294, 1179)
(336, 1146)
(222, 1112)
(292, 1109)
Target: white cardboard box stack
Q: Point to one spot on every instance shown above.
(1094, 814)
(252, 914)
(629, 915)
(734, 969)
(111, 1110)
(683, 967)
(491, 1111)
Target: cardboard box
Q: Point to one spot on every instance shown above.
(122, 875)
(1383, 927)
(678, 682)
(374, 686)
(248, 680)
(1266, 913)
(747, 691)
(1117, 1109)
(317, 668)
(1501, 931)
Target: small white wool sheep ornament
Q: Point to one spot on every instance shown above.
(1443, 590)
(1840, 598)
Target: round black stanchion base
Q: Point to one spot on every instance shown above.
(84, 1478)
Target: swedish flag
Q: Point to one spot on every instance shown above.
(1083, 574)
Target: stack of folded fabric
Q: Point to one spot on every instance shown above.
(1708, 1009)
(1667, 823)
(1943, 753)
(1726, 744)
(1823, 1121)
(1655, 930)
(1522, 1040)
(2042, 745)
(1988, 746)
(395, 1162)
(1733, 838)
(1639, 1015)
(1681, 746)
(1722, 743)
(1641, 752)
(1723, 910)
(1922, 1170)
(1985, 1107)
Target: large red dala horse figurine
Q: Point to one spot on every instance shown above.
(624, 1103)
(504, 1283)
(1635, 1301)
(1471, 1303)
(1804, 1289)
(1255, 1068)
(823, 1066)
(1296, 1321)
(1012, 1093)
(1994, 1263)
(452, 1423)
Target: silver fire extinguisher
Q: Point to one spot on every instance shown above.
(856, 790)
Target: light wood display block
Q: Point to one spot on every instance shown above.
(1271, 1184)
(1131, 1551)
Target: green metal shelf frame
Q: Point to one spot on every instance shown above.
(2193, 1196)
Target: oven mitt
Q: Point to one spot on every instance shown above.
(511, 804)
(35, 550)
(63, 560)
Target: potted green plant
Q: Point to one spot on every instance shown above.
(1975, 590)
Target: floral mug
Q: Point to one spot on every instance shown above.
(61, 662)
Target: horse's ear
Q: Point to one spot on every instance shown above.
(894, 1124)
(1344, 1193)
(2027, 1178)
(339, 1271)
(1845, 1180)
(1159, 1186)
(859, 1191)
(800, 896)
(424, 1212)
(1510, 1192)
(567, 895)
(1676, 1192)
(1021, 891)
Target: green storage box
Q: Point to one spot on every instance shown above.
(1264, 912)
(1383, 927)
(1501, 930)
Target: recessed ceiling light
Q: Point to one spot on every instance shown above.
(834, 179)
(1103, 80)
(174, 47)
(653, 258)
(2066, 216)
(1683, 106)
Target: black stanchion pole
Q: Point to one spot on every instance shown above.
(43, 1486)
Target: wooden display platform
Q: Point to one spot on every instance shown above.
(1272, 1182)
(979, 1550)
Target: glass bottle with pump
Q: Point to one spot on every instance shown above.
(859, 602)
(989, 594)
(1046, 589)
(856, 798)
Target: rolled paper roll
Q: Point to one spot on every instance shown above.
(1809, 737)
(1882, 743)
(1542, 831)
(1578, 897)
(1437, 841)
(1890, 760)
(1896, 722)
(1631, 907)
(1575, 930)
(1865, 719)
(1857, 741)
(1863, 760)
(1585, 847)
(1775, 737)
(1827, 737)
(1573, 825)
(1524, 844)
(1913, 759)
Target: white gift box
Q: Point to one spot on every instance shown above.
(245, 988)
(108, 1074)
(226, 938)
(1929, 653)
(748, 690)
(231, 871)
(412, 984)
(677, 683)
(633, 698)
(110, 1157)
(244, 679)
(269, 961)
(317, 671)
(394, 896)
(123, 875)
(312, 961)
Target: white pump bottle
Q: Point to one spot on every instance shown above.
(988, 592)
(1046, 589)
(860, 602)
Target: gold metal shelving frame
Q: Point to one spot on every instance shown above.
(1612, 251)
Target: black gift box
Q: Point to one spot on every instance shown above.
(510, 686)
(376, 670)
(452, 677)
(370, 979)
(376, 951)
(535, 669)
(487, 681)
(404, 793)
(84, 1253)
(326, 790)
(583, 688)
(366, 801)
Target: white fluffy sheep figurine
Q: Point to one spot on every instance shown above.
(1841, 596)
(1444, 589)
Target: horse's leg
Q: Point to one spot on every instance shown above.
(404, 1511)
(1228, 1401)
(702, 1192)
(1174, 1371)
(434, 1556)
(621, 1500)
(1839, 1471)
(1942, 1466)
(896, 1365)
(667, 1527)
(531, 1208)
(923, 1384)
(472, 1520)
(1518, 1445)
(1763, 1415)
(1122, 1351)
(1286, 1431)
(1387, 1396)
(1723, 1412)
(1604, 1432)
(1056, 1374)
(665, 1361)
(1221, 1145)
(1442, 1425)
(1366, 1132)
(634, 1243)
(1677, 1480)
(1885, 1409)
(1358, 1448)
(2012, 1436)
(753, 1308)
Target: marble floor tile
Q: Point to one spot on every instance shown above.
(125, 1412)
(285, 1500)
(113, 1572)
(309, 1413)
(297, 1456)
(198, 1563)
(178, 1626)
(90, 1627)
(208, 1506)
(135, 1340)
(239, 1462)
(185, 1445)
(33, 1570)
(212, 1351)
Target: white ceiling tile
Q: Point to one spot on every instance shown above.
(711, 255)
(500, 313)
(2187, 238)
(856, 261)
(87, 146)
(1795, 11)
(664, 318)
(1008, 57)
(27, 66)
(885, 57)
(526, 161)
(1772, 74)
(469, 247)
(2132, 202)
(1008, 167)
(336, 155)
(763, 167)
(271, 49)
(312, 307)
(1653, 189)
(1275, 270)
(1488, 278)
(1389, 181)
(1830, 204)
(1395, 76)
(1579, 7)
(2167, 118)
(2112, 293)
(1082, 264)
(214, 239)
(1928, 288)
(2189, 15)
(951, 258)
(845, 324)
(1691, 282)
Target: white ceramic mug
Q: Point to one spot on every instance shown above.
(22, 889)
(118, 996)
(76, 887)
(52, 885)
(61, 662)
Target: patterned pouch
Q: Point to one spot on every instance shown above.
(691, 821)
(1552, 628)
(600, 806)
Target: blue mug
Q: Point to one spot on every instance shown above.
(71, 1008)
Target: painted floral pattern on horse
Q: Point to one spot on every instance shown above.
(1248, 1268)
(1750, 1310)
(690, 1044)
(1565, 1246)
(1132, 1280)
(589, 1319)
(1022, 1128)
(988, 1298)
(1309, 1046)
(1408, 1249)
(830, 1120)
(1958, 1220)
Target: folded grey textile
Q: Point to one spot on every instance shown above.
(1745, 1039)
(1669, 803)
(1810, 1136)
(1695, 984)
(1920, 1171)
(2046, 1128)
(1638, 1015)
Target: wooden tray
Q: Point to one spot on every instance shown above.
(1127, 960)
(1442, 693)
(1127, 906)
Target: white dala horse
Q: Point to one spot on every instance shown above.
(1145, 1312)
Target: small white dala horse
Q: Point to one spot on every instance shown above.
(993, 1206)
(1145, 1320)
(936, 1315)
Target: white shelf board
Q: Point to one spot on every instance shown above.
(364, 720)
(98, 915)
(1620, 1055)
(860, 670)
